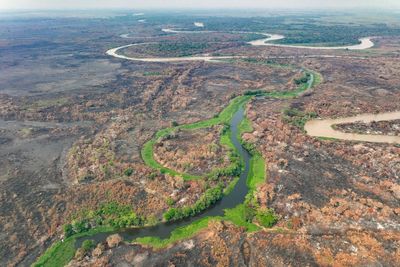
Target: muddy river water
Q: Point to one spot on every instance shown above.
(323, 128)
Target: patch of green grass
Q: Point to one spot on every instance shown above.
(225, 140)
(327, 138)
(257, 172)
(177, 234)
(245, 126)
(60, 253)
(317, 78)
(152, 73)
(88, 245)
(231, 186)
(236, 216)
(303, 86)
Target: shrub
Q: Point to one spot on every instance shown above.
(210, 197)
(170, 214)
(152, 175)
(267, 218)
(128, 172)
(170, 202)
(81, 226)
(87, 245)
(297, 117)
(68, 230)
(251, 206)
(254, 92)
(225, 128)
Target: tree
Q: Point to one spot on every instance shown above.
(128, 172)
(170, 214)
(68, 230)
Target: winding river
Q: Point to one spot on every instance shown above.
(234, 198)
(365, 43)
(323, 128)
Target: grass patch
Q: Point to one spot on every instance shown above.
(226, 140)
(317, 78)
(245, 127)
(177, 234)
(152, 73)
(257, 172)
(327, 138)
(237, 216)
(60, 253)
(231, 186)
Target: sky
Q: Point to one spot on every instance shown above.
(193, 4)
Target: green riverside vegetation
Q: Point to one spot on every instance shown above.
(110, 214)
(210, 197)
(62, 251)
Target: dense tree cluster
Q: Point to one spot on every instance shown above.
(179, 48)
(108, 214)
(253, 212)
(210, 197)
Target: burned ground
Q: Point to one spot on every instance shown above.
(68, 110)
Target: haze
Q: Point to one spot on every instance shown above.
(97, 4)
